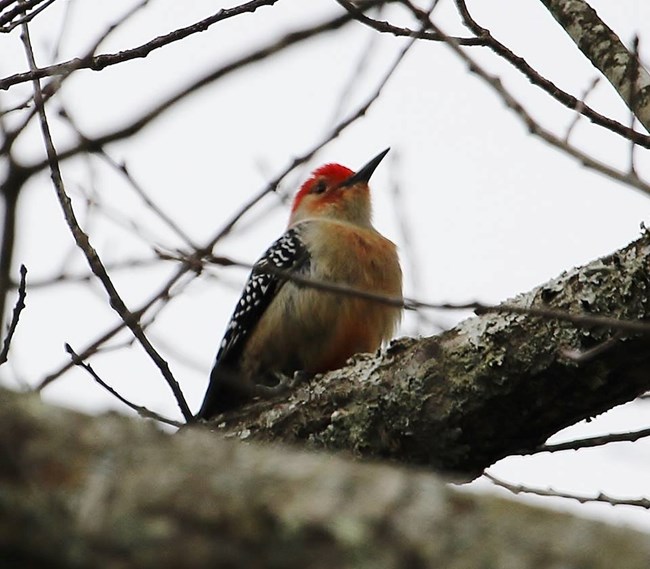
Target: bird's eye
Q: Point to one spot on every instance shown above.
(319, 187)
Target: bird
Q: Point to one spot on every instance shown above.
(282, 328)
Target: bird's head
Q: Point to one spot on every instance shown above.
(336, 192)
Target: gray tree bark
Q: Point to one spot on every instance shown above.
(110, 492)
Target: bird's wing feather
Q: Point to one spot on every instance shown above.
(288, 253)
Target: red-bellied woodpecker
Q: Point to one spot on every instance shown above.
(280, 326)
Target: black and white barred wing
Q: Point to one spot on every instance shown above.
(288, 253)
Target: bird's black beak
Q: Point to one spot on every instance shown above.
(364, 174)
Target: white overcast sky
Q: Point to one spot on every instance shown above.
(490, 210)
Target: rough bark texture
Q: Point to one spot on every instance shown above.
(495, 385)
(111, 492)
(606, 52)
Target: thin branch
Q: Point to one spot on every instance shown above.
(64, 277)
(99, 62)
(584, 320)
(580, 107)
(83, 241)
(387, 28)
(18, 308)
(166, 219)
(139, 409)
(634, 97)
(629, 178)
(590, 442)
(10, 191)
(537, 79)
(53, 86)
(582, 357)
(293, 38)
(6, 25)
(407, 246)
(63, 30)
(95, 346)
(520, 489)
(340, 127)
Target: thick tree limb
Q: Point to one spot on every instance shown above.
(606, 52)
(495, 385)
(77, 491)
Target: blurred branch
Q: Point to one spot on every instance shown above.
(83, 241)
(54, 86)
(18, 308)
(146, 198)
(64, 277)
(73, 485)
(19, 15)
(293, 38)
(139, 409)
(580, 107)
(10, 190)
(521, 489)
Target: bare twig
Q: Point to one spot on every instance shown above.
(65, 23)
(520, 489)
(407, 246)
(387, 28)
(139, 409)
(6, 23)
(83, 242)
(582, 319)
(99, 62)
(629, 178)
(18, 308)
(536, 78)
(53, 86)
(590, 442)
(293, 38)
(581, 357)
(580, 107)
(166, 219)
(10, 190)
(64, 277)
(94, 346)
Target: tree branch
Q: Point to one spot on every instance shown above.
(550, 493)
(542, 82)
(18, 308)
(495, 385)
(113, 492)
